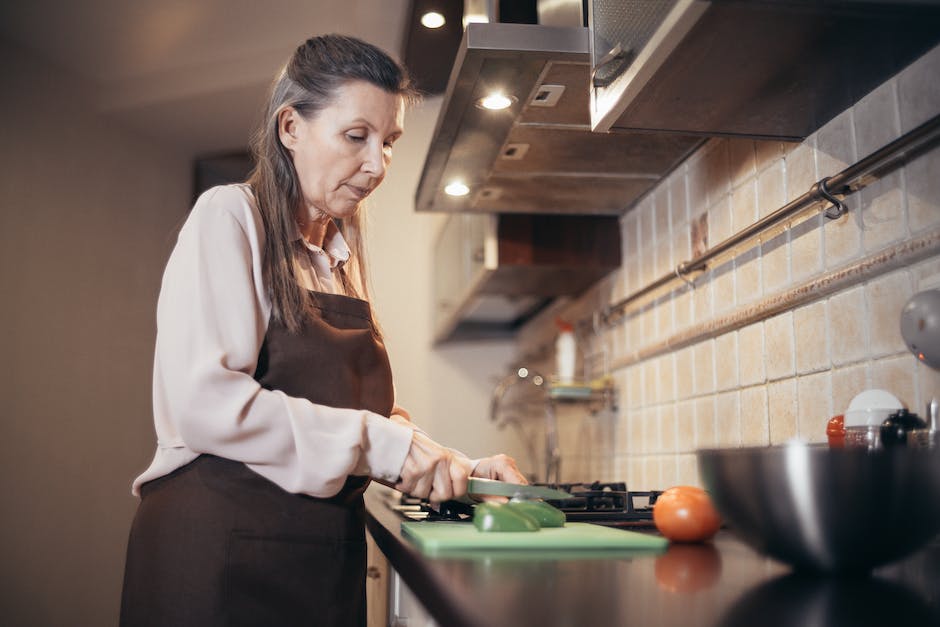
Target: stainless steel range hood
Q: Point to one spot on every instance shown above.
(539, 155)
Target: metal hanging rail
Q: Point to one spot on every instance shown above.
(850, 180)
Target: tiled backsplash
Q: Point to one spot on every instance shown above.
(783, 376)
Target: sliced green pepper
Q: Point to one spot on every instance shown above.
(543, 513)
(498, 517)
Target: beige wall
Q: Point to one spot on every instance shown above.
(87, 214)
(782, 377)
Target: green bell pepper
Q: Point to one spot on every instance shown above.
(543, 513)
(499, 517)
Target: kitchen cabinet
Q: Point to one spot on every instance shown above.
(492, 272)
(777, 70)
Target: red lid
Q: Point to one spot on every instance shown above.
(563, 325)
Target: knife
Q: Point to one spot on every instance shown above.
(492, 487)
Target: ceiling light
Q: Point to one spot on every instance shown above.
(432, 19)
(457, 188)
(496, 101)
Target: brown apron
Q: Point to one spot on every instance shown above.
(214, 543)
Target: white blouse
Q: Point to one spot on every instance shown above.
(212, 317)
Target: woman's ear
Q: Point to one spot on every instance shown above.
(287, 122)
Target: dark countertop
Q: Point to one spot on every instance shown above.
(722, 584)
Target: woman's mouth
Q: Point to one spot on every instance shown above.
(358, 192)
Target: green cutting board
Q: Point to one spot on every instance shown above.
(436, 537)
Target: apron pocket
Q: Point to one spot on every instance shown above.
(289, 580)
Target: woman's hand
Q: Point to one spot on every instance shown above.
(432, 471)
(501, 467)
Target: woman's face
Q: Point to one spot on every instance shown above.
(341, 153)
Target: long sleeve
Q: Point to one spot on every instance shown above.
(211, 321)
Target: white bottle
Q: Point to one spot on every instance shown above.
(565, 352)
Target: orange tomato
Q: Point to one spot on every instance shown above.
(686, 514)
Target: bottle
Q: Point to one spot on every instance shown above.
(565, 352)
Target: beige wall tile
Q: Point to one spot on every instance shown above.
(688, 471)
(728, 419)
(846, 383)
(814, 400)
(897, 375)
(668, 428)
(923, 190)
(881, 209)
(666, 389)
(705, 428)
(779, 346)
(685, 426)
(848, 326)
(767, 153)
(751, 354)
(919, 90)
(665, 320)
(835, 145)
(702, 298)
(771, 193)
(775, 257)
(650, 382)
(726, 361)
(781, 410)
(652, 472)
(682, 307)
(843, 237)
(744, 205)
(741, 159)
(719, 220)
(685, 368)
(678, 199)
(754, 423)
(661, 213)
(748, 268)
(704, 371)
(806, 254)
(801, 169)
(723, 288)
(634, 443)
(668, 470)
(811, 343)
(876, 118)
(886, 298)
(697, 180)
(634, 387)
(650, 439)
(717, 170)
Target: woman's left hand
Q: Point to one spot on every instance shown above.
(501, 467)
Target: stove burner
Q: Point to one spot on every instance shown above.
(609, 504)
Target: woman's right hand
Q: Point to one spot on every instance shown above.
(433, 471)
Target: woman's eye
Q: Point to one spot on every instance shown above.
(355, 138)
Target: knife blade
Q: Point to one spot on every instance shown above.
(492, 487)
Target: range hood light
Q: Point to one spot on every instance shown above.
(432, 19)
(456, 188)
(496, 101)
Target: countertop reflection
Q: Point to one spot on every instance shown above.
(722, 583)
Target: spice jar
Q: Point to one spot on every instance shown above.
(835, 431)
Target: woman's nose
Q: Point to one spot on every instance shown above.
(374, 163)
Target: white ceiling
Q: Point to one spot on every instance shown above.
(192, 73)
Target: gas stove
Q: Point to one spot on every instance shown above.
(609, 504)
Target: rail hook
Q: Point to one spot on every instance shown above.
(680, 274)
(837, 208)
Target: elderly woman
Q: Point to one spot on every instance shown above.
(273, 396)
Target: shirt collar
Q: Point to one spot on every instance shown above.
(334, 245)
